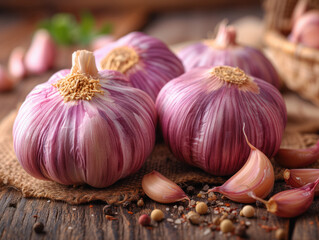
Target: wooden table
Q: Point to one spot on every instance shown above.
(87, 221)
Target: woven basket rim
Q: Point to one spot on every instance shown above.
(276, 40)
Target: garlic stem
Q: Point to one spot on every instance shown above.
(226, 36)
(296, 158)
(161, 189)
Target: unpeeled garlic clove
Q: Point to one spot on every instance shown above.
(297, 158)
(41, 54)
(290, 203)
(16, 66)
(161, 189)
(301, 177)
(256, 175)
(6, 82)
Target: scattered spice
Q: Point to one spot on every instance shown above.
(107, 210)
(192, 203)
(248, 211)
(91, 206)
(280, 234)
(240, 230)
(311, 222)
(216, 220)
(267, 228)
(126, 204)
(110, 218)
(180, 209)
(194, 218)
(13, 204)
(201, 208)
(205, 188)
(157, 215)
(225, 215)
(178, 221)
(129, 212)
(140, 203)
(226, 226)
(144, 220)
(38, 227)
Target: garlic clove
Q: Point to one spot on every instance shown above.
(41, 54)
(300, 177)
(161, 189)
(297, 158)
(256, 175)
(6, 82)
(290, 203)
(16, 66)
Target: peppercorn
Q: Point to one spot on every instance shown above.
(240, 230)
(144, 220)
(140, 203)
(157, 215)
(38, 227)
(226, 226)
(280, 234)
(248, 211)
(201, 208)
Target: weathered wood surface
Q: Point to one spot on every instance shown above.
(63, 221)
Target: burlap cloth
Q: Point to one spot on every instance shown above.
(128, 189)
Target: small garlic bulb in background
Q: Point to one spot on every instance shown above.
(146, 61)
(84, 126)
(202, 113)
(224, 50)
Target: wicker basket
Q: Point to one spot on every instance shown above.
(298, 66)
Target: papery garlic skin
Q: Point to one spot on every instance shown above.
(161, 189)
(96, 141)
(256, 175)
(146, 61)
(201, 117)
(41, 55)
(301, 177)
(225, 51)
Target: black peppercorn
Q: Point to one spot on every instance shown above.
(38, 227)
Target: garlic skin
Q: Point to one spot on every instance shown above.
(41, 54)
(146, 61)
(300, 177)
(201, 115)
(297, 158)
(290, 203)
(16, 66)
(306, 29)
(256, 175)
(7, 83)
(224, 50)
(161, 189)
(84, 127)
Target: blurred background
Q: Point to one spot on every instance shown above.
(173, 21)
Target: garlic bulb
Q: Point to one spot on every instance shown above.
(41, 55)
(223, 50)
(306, 29)
(201, 114)
(84, 126)
(257, 175)
(145, 60)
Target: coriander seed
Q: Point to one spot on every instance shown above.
(157, 215)
(195, 218)
(226, 226)
(248, 211)
(201, 208)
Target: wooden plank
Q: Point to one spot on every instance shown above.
(86, 221)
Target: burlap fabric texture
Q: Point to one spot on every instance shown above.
(128, 189)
